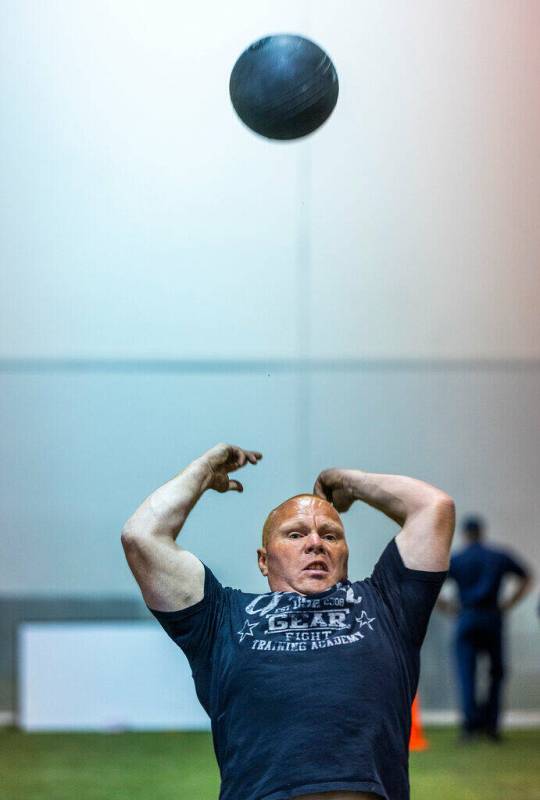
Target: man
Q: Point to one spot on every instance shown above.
(479, 572)
(309, 686)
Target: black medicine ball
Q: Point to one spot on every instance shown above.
(284, 86)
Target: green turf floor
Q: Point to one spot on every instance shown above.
(180, 766)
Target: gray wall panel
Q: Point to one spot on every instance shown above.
(475, 432)
(81, 451)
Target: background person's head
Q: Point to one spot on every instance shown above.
(472, 529)
(304, 548)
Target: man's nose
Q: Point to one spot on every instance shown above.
(314, 543)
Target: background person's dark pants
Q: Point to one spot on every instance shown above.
(480, 631)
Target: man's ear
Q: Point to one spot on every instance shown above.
(261, 556)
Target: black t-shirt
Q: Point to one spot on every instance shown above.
(313, 693)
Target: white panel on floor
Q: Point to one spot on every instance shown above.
(104, 676)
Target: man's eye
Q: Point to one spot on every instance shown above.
(294, 535)
(330, 536)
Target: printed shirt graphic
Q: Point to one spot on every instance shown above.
(310, 693)
(292, 623)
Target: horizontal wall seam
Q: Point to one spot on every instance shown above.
(261, 365)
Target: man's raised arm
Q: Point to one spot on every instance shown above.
(169, 577)
(426, 514)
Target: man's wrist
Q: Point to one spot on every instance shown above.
(353, 480)
(202, 473)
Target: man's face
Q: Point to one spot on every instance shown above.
(306, 551)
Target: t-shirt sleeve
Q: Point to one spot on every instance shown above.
(410, 594)
(194, 629)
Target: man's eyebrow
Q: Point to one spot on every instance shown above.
(298, 523)
(295, 523)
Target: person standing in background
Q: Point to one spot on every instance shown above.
(479, 571)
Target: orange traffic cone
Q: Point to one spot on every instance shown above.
(417, 740)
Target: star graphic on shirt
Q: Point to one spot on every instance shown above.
(247, 630)
(363, 619)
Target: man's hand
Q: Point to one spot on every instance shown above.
(225, 458)
(335, 486)
(524, 584)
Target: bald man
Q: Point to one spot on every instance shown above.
(308, 686)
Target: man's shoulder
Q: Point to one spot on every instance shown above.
(470, 551)
(494, 551)
(490, 553)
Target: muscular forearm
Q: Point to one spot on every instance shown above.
(397, 496)
(165, 511)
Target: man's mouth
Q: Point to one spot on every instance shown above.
(316, 566)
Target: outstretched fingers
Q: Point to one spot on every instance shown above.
(237, 458)
(241, 457)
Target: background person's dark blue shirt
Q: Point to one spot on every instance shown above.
(479, 571)
(310, 694)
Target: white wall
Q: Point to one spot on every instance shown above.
(143, 219)
(426, 187)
